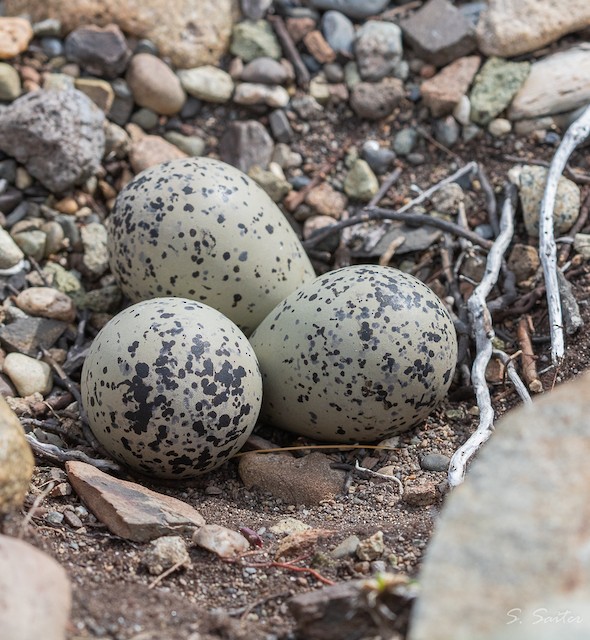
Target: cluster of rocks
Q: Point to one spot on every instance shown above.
(88, 102)
(88, 106)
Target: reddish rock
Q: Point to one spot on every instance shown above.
(442, 93)
(307, 480)
(128, 509)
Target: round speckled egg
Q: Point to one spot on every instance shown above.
(357, 355)
(201, 229)
(171, 387)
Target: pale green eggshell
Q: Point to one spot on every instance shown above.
(199, 228)
(357, 355)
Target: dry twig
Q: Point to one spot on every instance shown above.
(576, 134)
(166, 573)
(301, 72)
(58, 455)
(482, 326)
(527, 355)
(519, 385)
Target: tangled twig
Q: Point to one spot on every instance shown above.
(482, 326)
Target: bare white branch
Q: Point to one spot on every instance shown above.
(577, 133)
(481, 321)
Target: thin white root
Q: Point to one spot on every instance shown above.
(481, 321)
(519, 385)
(576, 134)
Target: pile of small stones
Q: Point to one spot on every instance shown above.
(86, 107)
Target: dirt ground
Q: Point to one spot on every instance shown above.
(215, 599)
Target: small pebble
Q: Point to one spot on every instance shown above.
(10, 253)
(54, 517)
(499, 127)
(378, 157)
(435, 462)
(405, 141)
(165, 552)
(28, 374)
(446, 131)
(346, 548)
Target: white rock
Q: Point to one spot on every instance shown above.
(582, 244)
(96, 254)
(10, 253)
(207, 83)
(27, 374)
(255, 93)
(226, 543)
(557, 83)
(34, 591)
(514, 537)
(462, 112)
(508, 27)
(165, 552)
(499, 127)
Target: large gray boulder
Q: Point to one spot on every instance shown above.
(510, 557)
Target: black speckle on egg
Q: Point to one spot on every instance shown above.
(171, 387)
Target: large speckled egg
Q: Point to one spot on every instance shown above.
(201, 229)
(357, 355)
(171, 387)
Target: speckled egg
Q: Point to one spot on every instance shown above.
(171, 387)
(201, 229)
(357, 355)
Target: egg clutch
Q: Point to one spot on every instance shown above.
(172, 385)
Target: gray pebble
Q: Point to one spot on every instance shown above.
(54, 517)
(435, 462)
(485, 231)
(146, 46)
(52, 47)
(379, 158)
(280, 126)
(191, 108)
(405, 141)
(338, 31)
(145, 118)
(191, 145)
(415, 158)
(334, 72)
(346, 548)
(446, 131)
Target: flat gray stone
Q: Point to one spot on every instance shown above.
(439, 33)
(245, 144)
(28, 335)
(512, 542)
